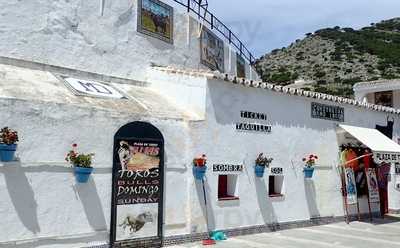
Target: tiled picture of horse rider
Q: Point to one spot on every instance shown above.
(212, 50)
(156, 19)
(240, 66)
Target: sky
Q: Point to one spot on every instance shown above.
(264, 25)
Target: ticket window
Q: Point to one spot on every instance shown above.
(275, 186)
(227, 187)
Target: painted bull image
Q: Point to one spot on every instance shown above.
(136, 223)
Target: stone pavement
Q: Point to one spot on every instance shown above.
(381, 233)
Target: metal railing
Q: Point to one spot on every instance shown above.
(215, 24)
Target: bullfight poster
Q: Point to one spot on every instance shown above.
(351, 188)
(138, 189)
(372, 185)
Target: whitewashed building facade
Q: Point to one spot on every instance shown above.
(126, 76)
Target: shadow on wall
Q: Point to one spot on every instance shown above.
(266, 208)
(23, 199)
(87, 193)
(207, 210)
(311, 196)
(22, 195)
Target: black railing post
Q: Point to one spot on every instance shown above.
(199, 10)
(230, 36)
(212, 21)
(188, 6)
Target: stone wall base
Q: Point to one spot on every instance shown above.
(195, 237)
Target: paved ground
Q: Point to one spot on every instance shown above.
(381, 233)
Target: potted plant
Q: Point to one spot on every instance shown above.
(199, 166)
(309, 166)
(8, 144)
(262, 162)
(81, 162)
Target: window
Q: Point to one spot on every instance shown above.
(384, 98)
(227, 187)
(275, 186)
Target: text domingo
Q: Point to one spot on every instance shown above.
(138, 186)
(149, 190)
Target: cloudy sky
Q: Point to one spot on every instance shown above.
(264, 25)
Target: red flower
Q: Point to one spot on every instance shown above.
(74, 145)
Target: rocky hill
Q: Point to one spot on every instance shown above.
(331, 60)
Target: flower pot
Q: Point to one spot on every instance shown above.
(7, 152)
(308, 172)
(199, 172)
(200, 162)
(82, 174)
(259, 170)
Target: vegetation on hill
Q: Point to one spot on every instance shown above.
(332, 60)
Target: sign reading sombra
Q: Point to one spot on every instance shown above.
(137, 186)
(230, 168)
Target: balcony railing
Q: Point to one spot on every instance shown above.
(215, 24)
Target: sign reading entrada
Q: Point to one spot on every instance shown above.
(256, 127)
(327, 112)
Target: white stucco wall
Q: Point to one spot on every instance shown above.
(75, 35)
(294, 135)
(42, 204)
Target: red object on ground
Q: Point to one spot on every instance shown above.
(208, 242)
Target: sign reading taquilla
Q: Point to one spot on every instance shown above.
(253, 126)
(327, 112)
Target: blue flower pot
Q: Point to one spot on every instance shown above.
(82, 174)
(199, 172)
(308, 172)
(7, 152)
(259, 170)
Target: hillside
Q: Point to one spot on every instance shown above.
(331, 60)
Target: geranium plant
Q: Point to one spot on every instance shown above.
(263, 160)
(79, 159)
(310, 160)
(8, 136)
(200, 161)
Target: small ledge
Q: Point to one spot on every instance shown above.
(276, 195)
(228, 198)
